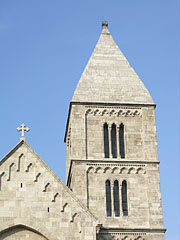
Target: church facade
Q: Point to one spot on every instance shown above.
(113, 185)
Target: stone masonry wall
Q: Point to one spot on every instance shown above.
(130, 236)
(140, 167)
(144, 197)
(85, 133)
(31, 195)
(21, 233)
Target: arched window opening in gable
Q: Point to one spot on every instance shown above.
(116, 198)
(121, 141)
(106, 141)
(1, 175)
(108, 199)
(113, 141)
(19, 162)
(124, 199)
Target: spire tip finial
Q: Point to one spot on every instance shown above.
(104, 24)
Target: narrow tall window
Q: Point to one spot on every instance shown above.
(108, 199)
(10, 167)
(113, 141)
(106, 141)
(116, 198)
(19, 162)
(124, 199)
(121, 141)
(1, 175)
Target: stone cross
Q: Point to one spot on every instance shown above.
(23, 128)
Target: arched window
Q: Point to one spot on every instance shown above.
(106, 141)
(116, 198)
(121, 141)
(108, 199)
(113, 141)
(124, 199)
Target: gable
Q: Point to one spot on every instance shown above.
(32, 195)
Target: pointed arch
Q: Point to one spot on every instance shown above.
(131, 170)
(106, 141)
(121, 141)
(124, 198)
(90, 170)
(123, 170)
(17, 231)
(116, 198)
(115, 170)
(113, 141)
(108, 170)
(126, 238)
(140, 171)
(108, 199)
(139, 238)
(98, 170)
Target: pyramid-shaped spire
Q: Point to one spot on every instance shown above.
(108, 77)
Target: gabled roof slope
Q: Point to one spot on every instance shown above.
(33, 197)
(108, 77)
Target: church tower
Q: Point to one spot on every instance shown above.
(112, 161)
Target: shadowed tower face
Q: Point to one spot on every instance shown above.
(111, 146)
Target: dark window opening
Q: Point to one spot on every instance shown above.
(113, 141)
(121, 141)
(116, 198)
(124, 199)
(108, 199)
(106, 141)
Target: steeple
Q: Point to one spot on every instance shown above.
(111, 146)
(109, 78)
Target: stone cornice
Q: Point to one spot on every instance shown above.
(90, 162)
(132, 230)
(115, 104)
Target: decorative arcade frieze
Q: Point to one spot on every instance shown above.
(114, 111)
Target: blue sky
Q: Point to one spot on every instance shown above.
(44, 47)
